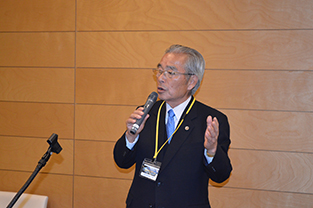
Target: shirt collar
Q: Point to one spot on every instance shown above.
(178, 110)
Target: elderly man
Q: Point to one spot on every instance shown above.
(181, 143)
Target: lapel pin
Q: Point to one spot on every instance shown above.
(186, 128)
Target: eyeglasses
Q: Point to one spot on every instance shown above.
(169, 73)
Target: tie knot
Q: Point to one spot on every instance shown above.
(171, 113)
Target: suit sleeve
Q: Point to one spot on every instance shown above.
(220, 168)
(124, 157)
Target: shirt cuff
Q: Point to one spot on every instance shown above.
(131, 145)
(208, 159)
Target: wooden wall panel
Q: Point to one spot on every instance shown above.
(262, 90)
(182, 15)
(272, 171)
(79, 68)
(100, 192)
(36, 119)
(282, 131)
(114, 86)
(37, 15)
(96, 122)
(37, 49)
(37, 84)
(23, 154)
(99, 162)
(271, 130)
(222, 49)
(233, 198)
(57, 187)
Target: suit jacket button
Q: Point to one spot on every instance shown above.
(150, 206)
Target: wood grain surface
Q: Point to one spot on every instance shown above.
(79, 68)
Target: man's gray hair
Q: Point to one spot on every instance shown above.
(195, 63)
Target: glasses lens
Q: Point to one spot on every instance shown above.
(167, 73)
(155, 72)
(158, 72)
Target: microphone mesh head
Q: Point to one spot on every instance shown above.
(153, 96)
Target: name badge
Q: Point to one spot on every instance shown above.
(150, 169)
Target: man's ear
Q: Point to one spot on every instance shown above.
(192, 82)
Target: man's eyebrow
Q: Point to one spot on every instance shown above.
(167, 67)
(172, 68)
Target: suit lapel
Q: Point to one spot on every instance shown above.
(162, 133)
(180, 136)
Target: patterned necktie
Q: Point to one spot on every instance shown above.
(170, 126)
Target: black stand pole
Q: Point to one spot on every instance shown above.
(54, 147)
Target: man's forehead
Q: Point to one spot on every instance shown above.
(173, 61)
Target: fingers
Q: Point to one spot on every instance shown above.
(209, 120)
(211, 135)
(215, 125)
(212, 130)
(136, 115)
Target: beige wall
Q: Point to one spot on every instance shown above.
(79, 68)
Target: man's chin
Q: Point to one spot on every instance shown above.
(162, 96)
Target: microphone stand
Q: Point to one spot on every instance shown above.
(54, 147)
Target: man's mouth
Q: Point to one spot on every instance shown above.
(161, 89)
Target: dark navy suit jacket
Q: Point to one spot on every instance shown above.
(184, 173)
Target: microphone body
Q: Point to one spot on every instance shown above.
(147, 107)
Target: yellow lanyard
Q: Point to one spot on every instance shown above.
(156, 152)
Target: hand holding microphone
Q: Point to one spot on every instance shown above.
(138, 116)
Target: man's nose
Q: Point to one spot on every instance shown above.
(162, 77)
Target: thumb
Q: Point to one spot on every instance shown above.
(143, 123)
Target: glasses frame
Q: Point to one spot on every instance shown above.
(168, 73)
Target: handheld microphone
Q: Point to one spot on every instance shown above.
(147, 107)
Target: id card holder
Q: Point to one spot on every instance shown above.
(150, 169)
